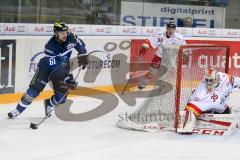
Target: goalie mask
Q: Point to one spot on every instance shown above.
(211, 79)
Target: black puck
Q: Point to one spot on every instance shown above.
(33, 126)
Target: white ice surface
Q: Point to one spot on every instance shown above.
(99, 139)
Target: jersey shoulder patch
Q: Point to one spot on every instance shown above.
(50, 46)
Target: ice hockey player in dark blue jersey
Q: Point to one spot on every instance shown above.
(54, 67)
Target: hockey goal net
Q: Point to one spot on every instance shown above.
(185, 68)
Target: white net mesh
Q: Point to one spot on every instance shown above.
(176, 85)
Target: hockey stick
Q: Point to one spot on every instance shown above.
(36, 125)
(134, 69)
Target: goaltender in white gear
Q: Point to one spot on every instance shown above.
(170, 37)
(211, 95)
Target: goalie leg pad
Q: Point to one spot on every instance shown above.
(217, 124)
(187, 122)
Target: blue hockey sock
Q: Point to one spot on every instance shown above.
(27, 99)
(56, 99)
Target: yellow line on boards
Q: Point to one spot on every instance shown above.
(81, 91)
(84, 91)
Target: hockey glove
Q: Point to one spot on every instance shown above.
(83, 61)
(69, 83)
(143, 49)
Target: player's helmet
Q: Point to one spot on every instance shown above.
(171, 25)
(60, 26)
(211, 78)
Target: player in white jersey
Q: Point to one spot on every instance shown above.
(211, 96)
(170, 37)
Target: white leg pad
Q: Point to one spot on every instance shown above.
(187, 122)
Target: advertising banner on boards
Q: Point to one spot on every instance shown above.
(7, 66)
(155, 14)
(234, 60)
